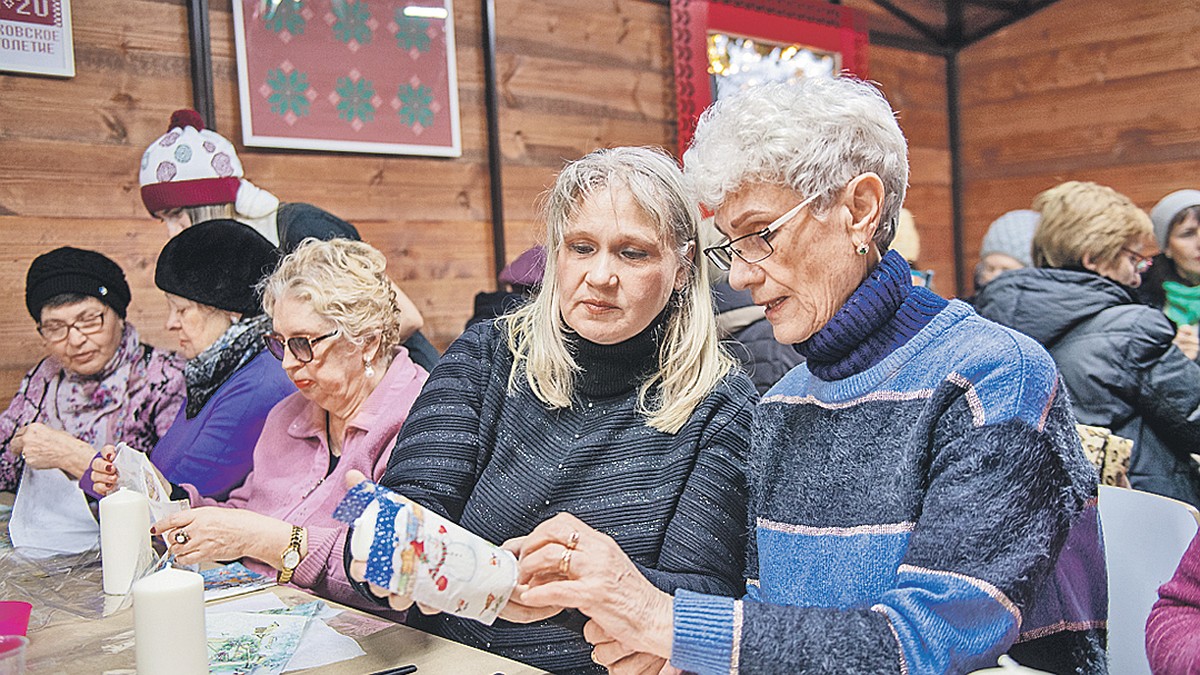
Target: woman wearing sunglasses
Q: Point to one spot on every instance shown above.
(209, 273)
(1116, 355)
(337, 332)
(98, 384)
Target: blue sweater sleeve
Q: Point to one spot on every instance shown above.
(1000, 500)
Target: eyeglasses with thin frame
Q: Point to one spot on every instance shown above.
(301, 347)
(57, 331)
(754, 247)
(1141, 263)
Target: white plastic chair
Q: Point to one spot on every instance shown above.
(1145, 535)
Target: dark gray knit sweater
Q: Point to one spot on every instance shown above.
(499, 462)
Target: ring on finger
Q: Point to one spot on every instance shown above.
(573, 541)
(181, 537)
(564, 563)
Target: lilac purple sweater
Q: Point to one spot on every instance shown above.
(290, 462)
(1173, 629)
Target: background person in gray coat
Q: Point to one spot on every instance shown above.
(1116, 354)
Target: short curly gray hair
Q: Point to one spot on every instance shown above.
(813, 136)
(343, 281)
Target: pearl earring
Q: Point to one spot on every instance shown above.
(368, 368)
(862, 248)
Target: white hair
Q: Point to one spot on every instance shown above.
(691, 360)
(813, 136)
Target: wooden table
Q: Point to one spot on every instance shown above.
(106, 646)
(73, 632)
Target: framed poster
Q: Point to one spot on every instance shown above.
(35, 37)
(721, 46)
(374, 76)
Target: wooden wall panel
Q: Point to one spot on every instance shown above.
(915, 85)
(572, 77)
(1083, 90)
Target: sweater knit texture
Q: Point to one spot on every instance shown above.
(499, 462)
(214, 450)
(1173, 629)
(289, 480)
(920, 504)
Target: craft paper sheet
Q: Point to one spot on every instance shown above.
(416, 553)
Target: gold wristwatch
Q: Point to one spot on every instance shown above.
(291, 555)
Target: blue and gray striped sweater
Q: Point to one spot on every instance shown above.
(919, 504)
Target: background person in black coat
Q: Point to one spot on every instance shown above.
(1116, 354)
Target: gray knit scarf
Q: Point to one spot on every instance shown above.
(204, 374)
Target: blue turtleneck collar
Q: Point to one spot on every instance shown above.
(882, 314)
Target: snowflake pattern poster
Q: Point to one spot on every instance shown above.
(372, 76)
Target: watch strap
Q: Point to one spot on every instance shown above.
(285, 574)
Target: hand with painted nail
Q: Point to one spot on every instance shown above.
(104, 473)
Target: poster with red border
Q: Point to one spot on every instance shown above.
(375, 76)
(35, 37)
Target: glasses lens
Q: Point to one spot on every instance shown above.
(753, 249)
(90, 324)
(54, 332)
(719, 255)
(301, 349)
(274, 345)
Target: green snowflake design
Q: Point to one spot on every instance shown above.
(287, 92)
(356, 99)
(410, 32)
(352, 23)
(416, 105)
(284, 15)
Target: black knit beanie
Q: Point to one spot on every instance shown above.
(217, 263)
(74, 270)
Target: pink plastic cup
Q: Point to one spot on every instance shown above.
(14, 617)
(12, 654)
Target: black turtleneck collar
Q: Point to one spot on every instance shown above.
(610, 370)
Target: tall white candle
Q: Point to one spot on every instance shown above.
(124, 538)
(168, 623)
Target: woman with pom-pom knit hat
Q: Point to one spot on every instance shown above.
(192, 174)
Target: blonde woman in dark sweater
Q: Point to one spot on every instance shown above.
(608, 396)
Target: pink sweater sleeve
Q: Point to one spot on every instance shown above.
(1173, 629)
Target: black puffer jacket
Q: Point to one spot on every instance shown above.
(1118, 363)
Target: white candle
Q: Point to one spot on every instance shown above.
(124, 538)
(168, 623)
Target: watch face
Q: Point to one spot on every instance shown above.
(291, 558)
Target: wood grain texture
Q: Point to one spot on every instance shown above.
(573, 77)
(1083, 90)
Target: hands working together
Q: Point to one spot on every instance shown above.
(564, 563)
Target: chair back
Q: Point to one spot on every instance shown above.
(1145, 536)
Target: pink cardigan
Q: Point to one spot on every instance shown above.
(1173, 629)
(288, 480)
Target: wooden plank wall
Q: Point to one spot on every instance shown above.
(1084, 90)
(573, 76)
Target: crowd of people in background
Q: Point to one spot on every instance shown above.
(757, 441)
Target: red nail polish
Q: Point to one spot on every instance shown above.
(108, 467)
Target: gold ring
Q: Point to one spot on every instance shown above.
(181, 537)
(564, 563)
(573, 541)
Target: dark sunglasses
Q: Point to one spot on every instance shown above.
(300, 347)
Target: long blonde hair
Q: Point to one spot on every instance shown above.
(692, 361)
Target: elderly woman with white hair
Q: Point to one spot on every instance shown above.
(608, 396)
(918, 496)
(338, 335)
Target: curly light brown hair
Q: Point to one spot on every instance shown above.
(1086, 220)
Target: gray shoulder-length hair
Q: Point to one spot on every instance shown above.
(813, 136)
(692, 361)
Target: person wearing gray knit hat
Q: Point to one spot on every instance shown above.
(1007, 245)
(1173, 283)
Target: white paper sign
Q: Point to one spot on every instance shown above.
(35, 37)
